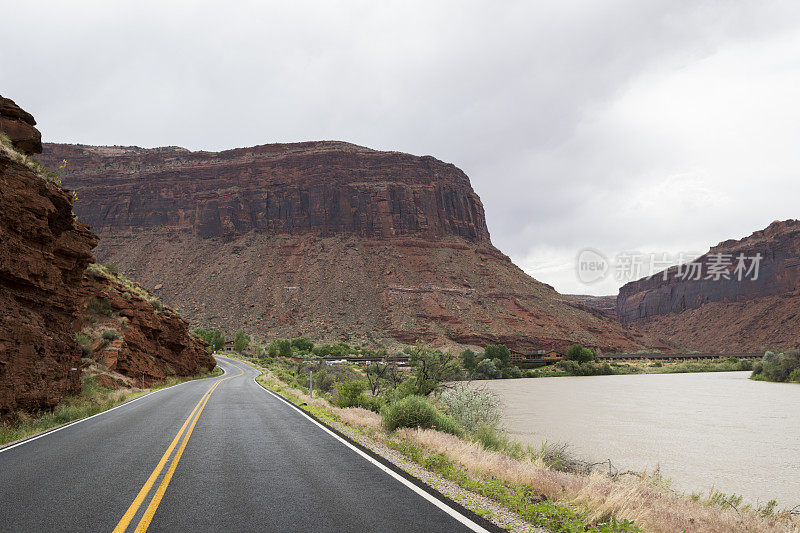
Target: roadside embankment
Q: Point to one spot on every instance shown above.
(539, 486)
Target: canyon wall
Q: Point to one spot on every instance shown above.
(749, 310)
(326, 239)
(43, 254)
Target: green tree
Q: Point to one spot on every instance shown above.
(214, 338)
(579, 354)
(303, 344)
(498, 351)
(468, 360)
(241, 341)
(284, 347)
(430, 367)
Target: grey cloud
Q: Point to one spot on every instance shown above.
(531, 99)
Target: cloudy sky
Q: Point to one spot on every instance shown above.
(621, 126)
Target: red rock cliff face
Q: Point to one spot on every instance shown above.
(725, 314)
(43, 254)
(154, 342)
(779, 272)
(326, 239)
(44, 290)
(325, 188)
(18, 126)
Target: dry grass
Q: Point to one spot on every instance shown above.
(353, 416)
(358, 416)
(131, 286)
(7, 149)
(635, 498)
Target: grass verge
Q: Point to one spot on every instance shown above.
(93, 399)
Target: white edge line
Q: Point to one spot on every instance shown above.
(56, 430)
(434, 500)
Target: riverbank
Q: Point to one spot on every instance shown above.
(645, 366)
(526, 482)
(706, 431)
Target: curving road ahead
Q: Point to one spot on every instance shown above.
(219, 454)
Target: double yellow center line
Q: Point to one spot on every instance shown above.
(190, 422)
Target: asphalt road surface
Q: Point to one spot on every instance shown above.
(218, 454)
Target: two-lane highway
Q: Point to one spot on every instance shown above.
(220, 454)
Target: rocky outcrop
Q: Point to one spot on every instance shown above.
(326, 239)
(605, 304)
(44, 290)
(778, 272)
(154, 342)
(749, 326)
(18, 125)
(43, 254)
(719, 311)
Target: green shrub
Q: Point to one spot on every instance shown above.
(323, 380)
(585, 369)
(284, 347)
(85, 343)
(350, 393)
(100, 307)
(471, 407)
(418, 412)
(487, 368)
(110, 335)
(372, 403)
(777, 367)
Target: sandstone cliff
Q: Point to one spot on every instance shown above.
(43, 254)
(725, 314)
(327, 239)
(45, 290)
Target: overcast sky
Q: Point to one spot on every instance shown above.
(650, 126)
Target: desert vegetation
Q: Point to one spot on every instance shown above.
(778, 367)
(131, 287)
(454, 430)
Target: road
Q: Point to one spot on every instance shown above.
(232, 457)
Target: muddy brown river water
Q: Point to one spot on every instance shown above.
(706, 430)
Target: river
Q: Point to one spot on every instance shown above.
(705, 430)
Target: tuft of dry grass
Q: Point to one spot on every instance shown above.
(636, 497)
(358, 416)
(8, 149)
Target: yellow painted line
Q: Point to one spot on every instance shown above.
(144, 523)
(129, 514)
